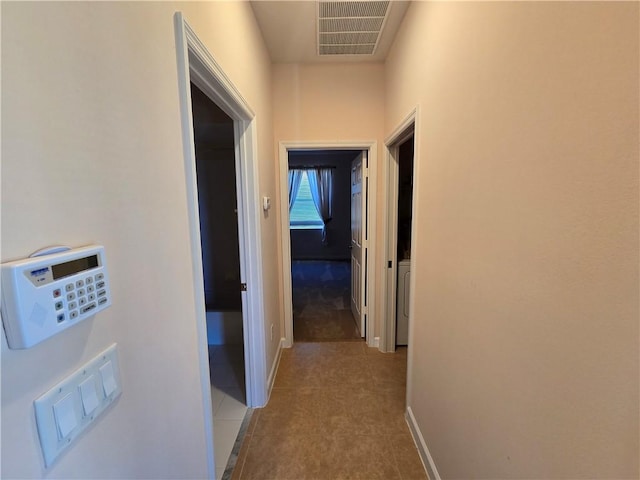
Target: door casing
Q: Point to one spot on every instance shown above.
(399, 135)
(369, 221)
(197, 65)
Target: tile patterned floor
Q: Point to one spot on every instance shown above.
(226, 363)
(336, 412)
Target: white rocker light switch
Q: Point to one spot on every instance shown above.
(89, 396)
(65, 415)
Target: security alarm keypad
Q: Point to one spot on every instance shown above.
(81, 297)
(45, 295)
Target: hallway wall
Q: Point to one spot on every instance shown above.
(92, 152)
(331, 103)
(524, 341)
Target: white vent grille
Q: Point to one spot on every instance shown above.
(336, 25)
(350, 28)
(348, 38)
(353, 9)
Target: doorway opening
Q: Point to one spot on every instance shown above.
(196, 66)
(399, 232)
(403, 235)
(350, 278)
(217, 197)
(321, 251)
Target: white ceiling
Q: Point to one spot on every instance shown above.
(289, 29)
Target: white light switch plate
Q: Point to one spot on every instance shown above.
(73, 404)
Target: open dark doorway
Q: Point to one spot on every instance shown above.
(217, 197)
(403, 259)
(321, 268)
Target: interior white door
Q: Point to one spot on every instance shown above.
(357, 240)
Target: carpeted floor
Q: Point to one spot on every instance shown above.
(321, 301)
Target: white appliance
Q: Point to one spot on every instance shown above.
(402, 303)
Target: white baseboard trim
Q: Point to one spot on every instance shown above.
(274, 368)
(423, 451)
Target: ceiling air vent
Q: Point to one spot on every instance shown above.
(350, 28)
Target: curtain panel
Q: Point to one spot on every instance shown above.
(321, 183)
(295, 176)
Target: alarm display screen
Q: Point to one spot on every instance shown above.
(74, 266)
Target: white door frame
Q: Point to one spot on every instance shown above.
(195, 64)
(390, 200)
(371, 148)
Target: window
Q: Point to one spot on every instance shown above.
(303, 214)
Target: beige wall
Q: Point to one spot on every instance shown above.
(524, 353)
(328, 102)
(92, 152)
(331, 103)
